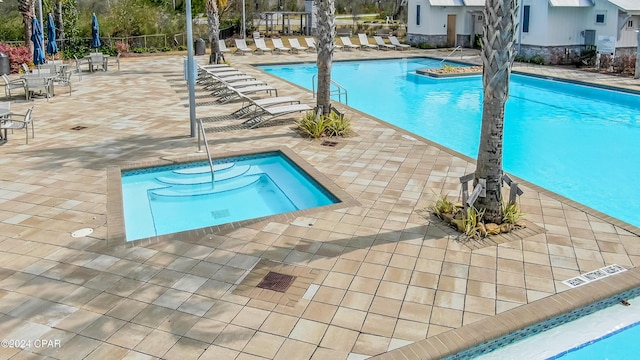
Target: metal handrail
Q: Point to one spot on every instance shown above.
(451, 53)
(206, 146)
(338, 91)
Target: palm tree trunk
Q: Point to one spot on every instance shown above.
(59, 21)
(213, 20)
(27, 9)
(326, 44)
(497, 57)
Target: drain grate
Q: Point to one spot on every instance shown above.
(329, 143)
(276, 281)
(79, 127)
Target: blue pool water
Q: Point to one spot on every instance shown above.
(169, 199)
(577, 141)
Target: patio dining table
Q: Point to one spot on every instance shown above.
(105, 58)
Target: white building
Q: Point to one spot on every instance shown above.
(554, 29)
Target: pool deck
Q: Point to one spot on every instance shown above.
(381, 278)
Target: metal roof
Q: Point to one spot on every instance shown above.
(572, 3)
(446, 2)
(474, 2)
(627, 5)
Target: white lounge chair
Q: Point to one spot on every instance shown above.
(382, 45)
(364, 42)
(295, 45)
(346, 42)
(311, 43)
(223, 46)
(267, 114)
(399, 46)
(279, 46)
(252, 106)
(233, 93)
(242, 47)
(262, 47)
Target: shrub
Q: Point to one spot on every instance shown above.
(520, 58)
(17, 55)
(165, 49)
(425, 46)
(122, 47)
(331, 125)
(138, 50)
(537, 60)
(511, 213)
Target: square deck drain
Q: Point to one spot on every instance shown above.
(79, 127)
(276, 281)
(329, 143)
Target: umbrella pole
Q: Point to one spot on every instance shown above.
(41, 25)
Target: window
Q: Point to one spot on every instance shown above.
(480, 17)
(630, 24)
(525, 18)
(600, 18)
(417, 14)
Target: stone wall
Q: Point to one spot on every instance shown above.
(433, 40)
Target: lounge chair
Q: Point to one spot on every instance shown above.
(266, 114)
(398, 45)
(18, 121)
(262, 47)
(11, 84)
(233, 93)
(223, 89)
(223, 46)
(295, 45)
(279, 46)
(382, 45)
(242, 47)
(364, 42)
(311, 43)
(346, 42)
(252, 106)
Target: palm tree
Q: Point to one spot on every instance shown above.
(500, 21)
(326, 44)
(213, 20)
(27, 8)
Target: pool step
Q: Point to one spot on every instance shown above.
(205, 177)
(203, 169)
(206, 190)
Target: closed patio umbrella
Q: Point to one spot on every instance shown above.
(36, 37)
(52, 47)
(95, 32)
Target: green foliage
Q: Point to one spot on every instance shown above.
(471, 223)
(478, 41)
(330, 125)
(442, 206)
(11, 28)
(537, 60)
(165, 49)
(520, 58)
(511, 213)
(138, 50)
(182, 48)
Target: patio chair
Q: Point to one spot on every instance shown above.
(266, 114)
(235, 94)
(79, 63)
(25, 68)
(311, 43)
(398, 45)
(11, 84)
(242, 47)
(251, 106)
(39, 84)
(364, 42)
(261, 47)
(279, 46)
(63, 80)
(295, 45)
(97, 60)
(223, 46)
(18, 121)
(382, 45)
(346, 42)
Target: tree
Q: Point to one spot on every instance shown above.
(27, 10)
(500, 21)
(213, 20)
(326, 45)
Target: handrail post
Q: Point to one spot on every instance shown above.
(206, 146)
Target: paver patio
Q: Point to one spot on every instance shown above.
(386, 275)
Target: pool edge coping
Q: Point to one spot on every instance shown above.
(116, 235)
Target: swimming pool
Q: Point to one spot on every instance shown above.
(577, 141)
(169, 199)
